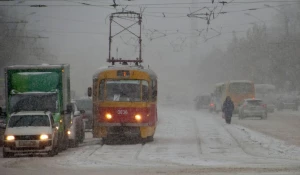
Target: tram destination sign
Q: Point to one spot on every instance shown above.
(123, 73)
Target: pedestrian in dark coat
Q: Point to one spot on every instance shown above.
(227, 109)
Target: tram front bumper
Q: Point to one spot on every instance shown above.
(142, 130)
(123, 124)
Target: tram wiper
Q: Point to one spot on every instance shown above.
(128, 96)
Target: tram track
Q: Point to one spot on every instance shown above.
(101, 145)
(136, 157)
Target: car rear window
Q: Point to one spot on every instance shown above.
(254, 102)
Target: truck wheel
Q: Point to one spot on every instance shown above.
(52, 152)
(56, 150)
(65, 143)
(73, 143)
(7, 155)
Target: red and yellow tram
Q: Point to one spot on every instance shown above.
(124, 102)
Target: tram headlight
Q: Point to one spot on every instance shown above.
(108, 116)
(138, 117)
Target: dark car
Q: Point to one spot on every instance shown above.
(287, 102)
(86, 104)
(203, 102)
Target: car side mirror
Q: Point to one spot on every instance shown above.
(54, 125)
(89, 91)
(69, 108)
(2, 125)
(82, 111)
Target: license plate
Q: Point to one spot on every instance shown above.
(27, 143)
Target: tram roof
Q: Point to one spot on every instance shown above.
(151, 73)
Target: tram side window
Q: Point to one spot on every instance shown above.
(154, 90)
(101, 90)
(145, 91)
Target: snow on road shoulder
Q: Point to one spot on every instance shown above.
(258, 144)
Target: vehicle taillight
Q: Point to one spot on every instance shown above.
(212, 105)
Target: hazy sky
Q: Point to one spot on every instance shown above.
(78, 35)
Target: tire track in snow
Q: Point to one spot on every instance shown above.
(197, 137)
(237, 142)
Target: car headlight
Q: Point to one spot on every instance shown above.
(44, 137)
(69, 132)
(138, 117)
(10, 138)
(108, 116)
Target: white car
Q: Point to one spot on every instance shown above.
(30, 132)
(252, 108)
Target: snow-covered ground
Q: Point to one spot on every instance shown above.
(186, 142)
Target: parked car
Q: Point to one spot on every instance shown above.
(30, 132)
(86, 104)
(203, 101)
(287, 102)
(270, 107)
(252, 108)
(76, 132)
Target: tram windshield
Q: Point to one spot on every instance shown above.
(126, 90)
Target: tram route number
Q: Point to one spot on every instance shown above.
(122, 112)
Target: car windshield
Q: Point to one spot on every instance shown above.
(28, 120)
(34, 102)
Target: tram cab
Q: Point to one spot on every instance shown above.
(124, 102)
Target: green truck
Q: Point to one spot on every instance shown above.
(41, 88)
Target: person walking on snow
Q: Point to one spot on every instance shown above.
(227, 109)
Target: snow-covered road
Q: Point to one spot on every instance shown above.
(186, 142)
